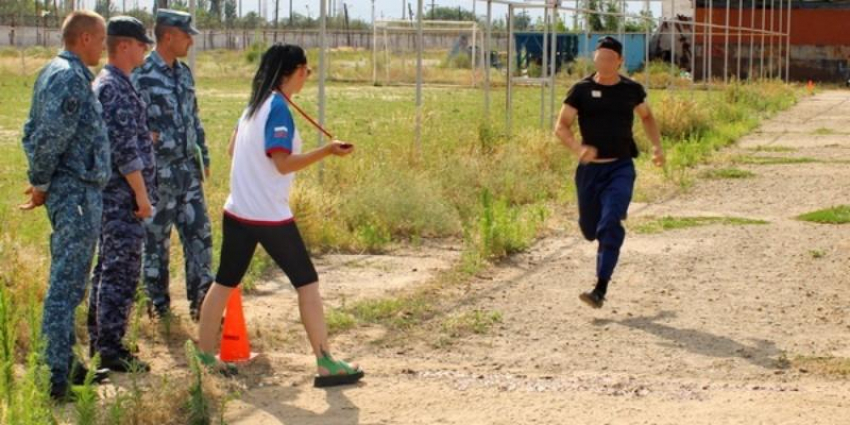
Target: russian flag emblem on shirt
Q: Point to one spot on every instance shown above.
(281, 132)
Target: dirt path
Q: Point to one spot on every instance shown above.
(703, 325)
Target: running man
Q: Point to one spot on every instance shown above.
(605, 104)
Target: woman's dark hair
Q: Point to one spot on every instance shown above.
(280, 60)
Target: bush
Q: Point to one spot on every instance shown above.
(399, 202)
(579, 68)
(681, 118)
(767, 96)
(501, 229)
(255, 51)
(459, 61)
(661, 75)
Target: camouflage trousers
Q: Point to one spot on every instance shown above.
(116, 277)
(181, 204)
(74, 210)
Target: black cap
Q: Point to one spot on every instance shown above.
(128, 26)
(610, 43)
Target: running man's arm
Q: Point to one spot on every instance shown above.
(650, 127)
(564, 132)
(564, 128)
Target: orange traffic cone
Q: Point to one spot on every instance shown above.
(811, 87)
(234, 336)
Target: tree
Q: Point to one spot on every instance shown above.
(208, 13)
(559, 24)
(499, 25)
(440, 13)
(142, 15)
(594, 21)
(10, 10)
(215, 9)
(178, 5)
(611, 23)
(522, 22)
(251, 20)
(16, 13)
(641, 25)
(230, 12)
(105, 8)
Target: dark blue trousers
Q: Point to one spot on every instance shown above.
(604, 193)
(115, 278)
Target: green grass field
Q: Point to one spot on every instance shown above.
(467, 181)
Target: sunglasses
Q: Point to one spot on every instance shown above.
(309, 70)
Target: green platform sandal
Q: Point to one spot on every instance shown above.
(339, 373)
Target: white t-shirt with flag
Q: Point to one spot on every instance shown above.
(259, 193)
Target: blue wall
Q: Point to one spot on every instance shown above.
(571, 45)
(633, 48)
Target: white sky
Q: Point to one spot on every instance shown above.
(362, 9)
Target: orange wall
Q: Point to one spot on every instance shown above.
(824, 27)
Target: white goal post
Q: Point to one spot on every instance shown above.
(388, 49)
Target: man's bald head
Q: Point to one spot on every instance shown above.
(83, 33)
(79, 22)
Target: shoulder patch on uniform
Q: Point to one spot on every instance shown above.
(71, 106)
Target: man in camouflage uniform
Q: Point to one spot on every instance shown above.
(68, 155)
(167, 87)
(127, 199)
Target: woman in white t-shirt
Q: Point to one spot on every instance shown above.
(266, 151)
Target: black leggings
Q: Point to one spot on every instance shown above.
(282, 242)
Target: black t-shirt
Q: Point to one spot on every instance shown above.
(606, 115)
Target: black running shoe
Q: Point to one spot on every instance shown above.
(592, 299)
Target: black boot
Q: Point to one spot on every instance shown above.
(124, 362)
(195, 308)
(159, 312)
(78, 372)
(61, 394)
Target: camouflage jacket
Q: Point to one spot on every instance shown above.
(172, 109)
(64, 136)
(129, 138)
